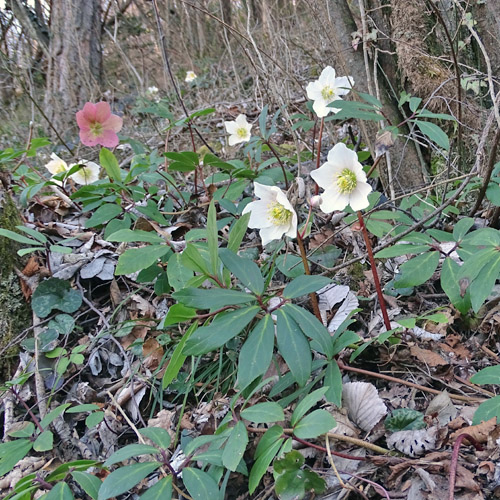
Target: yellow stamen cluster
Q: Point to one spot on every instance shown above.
(96, 129)
(347, 181)
(327, 93)
(278, 214)
(241, 132)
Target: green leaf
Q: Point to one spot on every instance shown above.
(178, 358)
(245, 270)
(199, 484)
(292, 461)
(103, 214)
(122, 480)
(264, 413)
(159, 436)
(418, 270)
(294, 347)
(61, 472)
(414, 103)
(238, 230)
(178, 313)
(16, 237)
(483, 237)
(215, 440)
(52, 415)
(202, 298)
(178, 274)
(268, 447)
(316, 423)
(12, 452)
(212, 238)
(44, 441)
(223, 328)
(354, 109)
(162, 490)
(307, 403)
(311, 327)
(262, 121)
(88, 482)
(27, 429)
(303, 285)
(450, 283)
(333, 381)
(131, 450)
(404, 419)
(94, 419)
(109, 163)
(290, 265)
(488, 375)
(34, 234)
(440, 116)
(434, 133)
(129, 236)
(481, 287)
(256, 353)
(136, 259)
(344, 339)
(192, 259)
(82, 408)
(401, 249)
(462, 227)
(61, 491)
(487, 411)
(235, 447)
(55, 294)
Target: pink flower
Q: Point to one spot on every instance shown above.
(98, 125)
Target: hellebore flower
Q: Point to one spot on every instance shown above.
(273, 214)
(98, 125)
(56, 166)
(343, 179)
(328, 89)
(88, 173)
(190, 77)
(238, 130)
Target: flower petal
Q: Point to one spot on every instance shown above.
(327, 76)
(292, 231)
(283, 200)
(359, 197)
(258, 214)
(333, 200)
(89, 111)
(342, 156)
(324, 176)
(231, 127)
(108, 139)
(344, 84)
(87, 137)
(114, 123)
(271, 233)
(234, 139)
(266, 193)
(102, 111)
(241, 121)
(320, 108)
(313, 90)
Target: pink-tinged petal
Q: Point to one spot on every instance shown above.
(324, 176)
(108, 139)
(327, 76)
(88, 138)
(82, 120)
(103, 111)
(114, 123)
(342, 156)
(333, 200)
(320, 108)
(89, 111)
(359, 198)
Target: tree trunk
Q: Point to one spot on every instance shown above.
(75, 62)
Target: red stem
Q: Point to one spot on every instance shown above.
(318, 156)
(374, 271)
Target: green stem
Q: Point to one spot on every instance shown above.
(314, 299)
(318, 155)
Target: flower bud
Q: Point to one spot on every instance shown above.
(315, 201)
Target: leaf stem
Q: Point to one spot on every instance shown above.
(380, 295)
(276, 155)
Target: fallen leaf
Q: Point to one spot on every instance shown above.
(364, 406)
(430, 358)
(479, 432)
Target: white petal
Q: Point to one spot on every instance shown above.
(313, 90)
(344, 84)
(241, 121)
(268, 234)
(231, 127)
(283, 200)
(360, 173)
(292, 231)
(324, 176)
(341, 155)
(359, 197)
(333, 200)
(266, 193)
(234, 139)
(327, 76)
(320, 108)
(258, 214)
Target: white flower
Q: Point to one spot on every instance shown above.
(328, 89)
(153, 90)
(190, 77)
(56, 166)
(343, 179)
(273, 214)
(239, 130)
(88, 173)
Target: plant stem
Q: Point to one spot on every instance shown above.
(28, 409)
(276, 155)
(314, 299)
(318, 155)
(380, 295)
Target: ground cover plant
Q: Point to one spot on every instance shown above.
(251, 298)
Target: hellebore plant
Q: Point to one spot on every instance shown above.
(56, 166)
(88, 173)
(238, 130)
(190, 77)
(98, 125)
